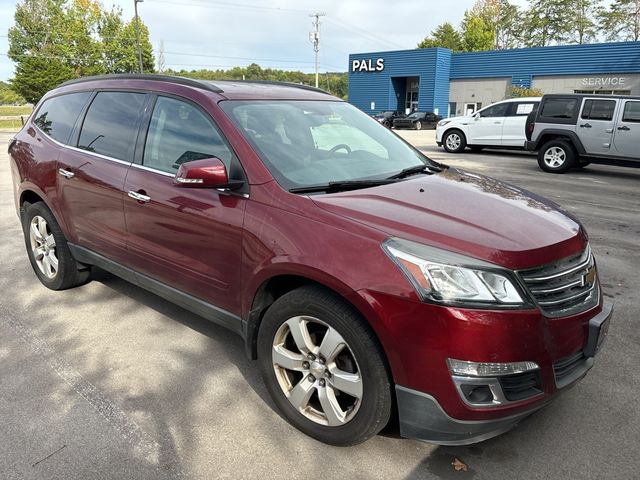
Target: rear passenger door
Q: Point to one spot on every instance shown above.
(189, 238)
(513, 129)
(595, 125)
(627, 133)
(92, 170)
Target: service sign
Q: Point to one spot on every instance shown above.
(367, 65)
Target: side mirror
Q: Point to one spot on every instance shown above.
(205, 173)
(476, 116)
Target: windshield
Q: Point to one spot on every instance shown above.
(306, 143)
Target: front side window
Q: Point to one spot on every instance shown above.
(307, 143)
(598, 109)
(111, 124)
(57, 116)
(631, 112)
(179, 133)
(499, 110)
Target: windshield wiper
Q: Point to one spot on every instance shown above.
(415, 170)
(342, 186)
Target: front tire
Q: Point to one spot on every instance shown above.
(556, 156)
(48, 251)
(418, 125)
(323, 367)
(454, 141)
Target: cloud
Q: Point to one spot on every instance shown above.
(275, 33)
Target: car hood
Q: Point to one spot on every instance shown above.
(464, 119)
(465, 213)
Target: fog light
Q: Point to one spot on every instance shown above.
(488, 369)
(477, 394)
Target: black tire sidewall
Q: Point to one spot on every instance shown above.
(67, 275)
(570, 156)
(463, 141)
(375, 408)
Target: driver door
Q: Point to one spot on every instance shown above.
(189, 238)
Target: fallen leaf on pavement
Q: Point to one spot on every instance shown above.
(459, 465)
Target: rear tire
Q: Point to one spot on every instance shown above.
(454, 141)
(556, 156)
(48, 251)
(336, 391)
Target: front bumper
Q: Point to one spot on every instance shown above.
(422, 417)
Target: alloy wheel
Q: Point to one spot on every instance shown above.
(555, 157)
(453, 141)
(43, 246)
(317, 371)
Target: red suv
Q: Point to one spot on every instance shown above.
(367, 280)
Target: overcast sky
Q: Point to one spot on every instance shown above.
(273, 33)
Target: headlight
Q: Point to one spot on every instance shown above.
(445, 277)
(442, 123)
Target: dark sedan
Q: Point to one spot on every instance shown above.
(418, 121)
(387, 118)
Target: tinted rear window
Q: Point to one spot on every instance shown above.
(631, 112)
(57, 115)
(559, 108)
(598, 109)
(111, 124)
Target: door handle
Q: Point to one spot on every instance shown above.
(140, 197)
(585, 125)
(625, 128)
(497, 123)
(66, 173)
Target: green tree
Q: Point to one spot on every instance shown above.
(547, 22)
(621, 21)
(519, 92)
(445, 36)
(477, 33)
(57, 40)
(583, 24)
(505, 19)
(8, 96)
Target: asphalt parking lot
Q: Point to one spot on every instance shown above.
(108, 381)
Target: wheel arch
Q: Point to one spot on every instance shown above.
(557, 134)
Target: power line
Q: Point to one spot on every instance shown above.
(363, 33)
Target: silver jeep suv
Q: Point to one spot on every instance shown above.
(575, 130)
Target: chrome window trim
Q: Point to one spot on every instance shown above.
(153, 170)
(80, 150)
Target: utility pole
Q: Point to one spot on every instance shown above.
(314, 37)
(135, 7)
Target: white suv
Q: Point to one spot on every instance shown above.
(500, 125)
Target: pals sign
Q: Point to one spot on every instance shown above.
(367, 65)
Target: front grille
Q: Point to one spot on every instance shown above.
(566, 287)
(521, 386)
(569, 368)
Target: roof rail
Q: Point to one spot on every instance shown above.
(189, 82)
(282, 84)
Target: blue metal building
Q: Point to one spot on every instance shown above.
(436, 79)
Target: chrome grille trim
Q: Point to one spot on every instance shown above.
(566, 287)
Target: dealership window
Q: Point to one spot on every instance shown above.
(631, 112)
(598, 110)
(603, 92)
